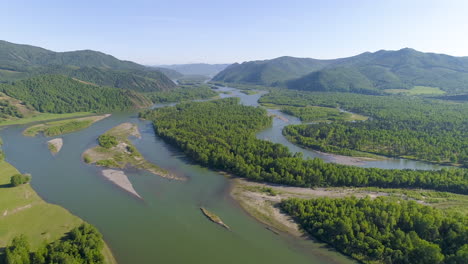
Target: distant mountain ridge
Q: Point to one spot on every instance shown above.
(19, 61)
(365, 73)
(204, 69)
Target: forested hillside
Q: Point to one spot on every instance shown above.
(364, 73)
(24, 61)
(400, 126)
(268, 72)
(60, 94)
(383, 230)
(221, 134)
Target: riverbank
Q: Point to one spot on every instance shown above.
(18, 205)
(56, 128)
(261, 200)
(43, 117)
(123, 153)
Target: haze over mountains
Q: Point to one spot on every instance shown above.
(364, 73)
(204, 69)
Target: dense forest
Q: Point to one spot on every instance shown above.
(136, 80)
(23, 61)
(221, 134)
(400, 126)
(316, 113)
(384, 230)
(60, 94)
(182, 94)
(83, 245)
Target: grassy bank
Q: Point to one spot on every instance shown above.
(22, 211)
(262, 200)
(42, 117)
(55, 128)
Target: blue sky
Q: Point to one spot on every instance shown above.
(182, 31)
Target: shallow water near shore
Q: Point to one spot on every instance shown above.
(166, 226)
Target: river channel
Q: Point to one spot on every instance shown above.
(166, 226)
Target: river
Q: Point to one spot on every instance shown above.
(167, 225)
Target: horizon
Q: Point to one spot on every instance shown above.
(228, 63)
(183, 32)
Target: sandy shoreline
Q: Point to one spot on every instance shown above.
(119, 178)
(56, 143)
(261, 201)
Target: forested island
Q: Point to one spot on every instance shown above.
(221, 134)
(400, 126)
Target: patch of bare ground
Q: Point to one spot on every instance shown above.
(55, 145)
(120, 179)
(282, 118)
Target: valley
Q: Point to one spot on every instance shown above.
(158, 168)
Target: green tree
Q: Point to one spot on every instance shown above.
(18, 251)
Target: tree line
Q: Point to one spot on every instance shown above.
(384, 230)
(185, 93)
(60, 94)
(221, 134)
(82, 245)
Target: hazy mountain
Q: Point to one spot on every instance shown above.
(173, 74)
(268, 72)
(197, 68)
(400, 69)
(23, 61)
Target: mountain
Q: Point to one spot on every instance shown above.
(204, 69)
(24, 61)
(173, 74)
(337, 79)
(366, 72)
(268, 72)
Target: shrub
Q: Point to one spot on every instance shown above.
(87, 159)
(19, 179)
(107, 163)
(107, 141)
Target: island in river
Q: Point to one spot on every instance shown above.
(116, 151)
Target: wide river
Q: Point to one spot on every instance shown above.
(167, 225)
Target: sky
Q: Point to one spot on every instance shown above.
(218, 31)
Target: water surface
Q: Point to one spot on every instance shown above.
(167, 226)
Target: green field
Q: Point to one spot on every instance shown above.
(417, 90)
(55, 128)
(22, 211)
(42, 117)
(20, 205)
